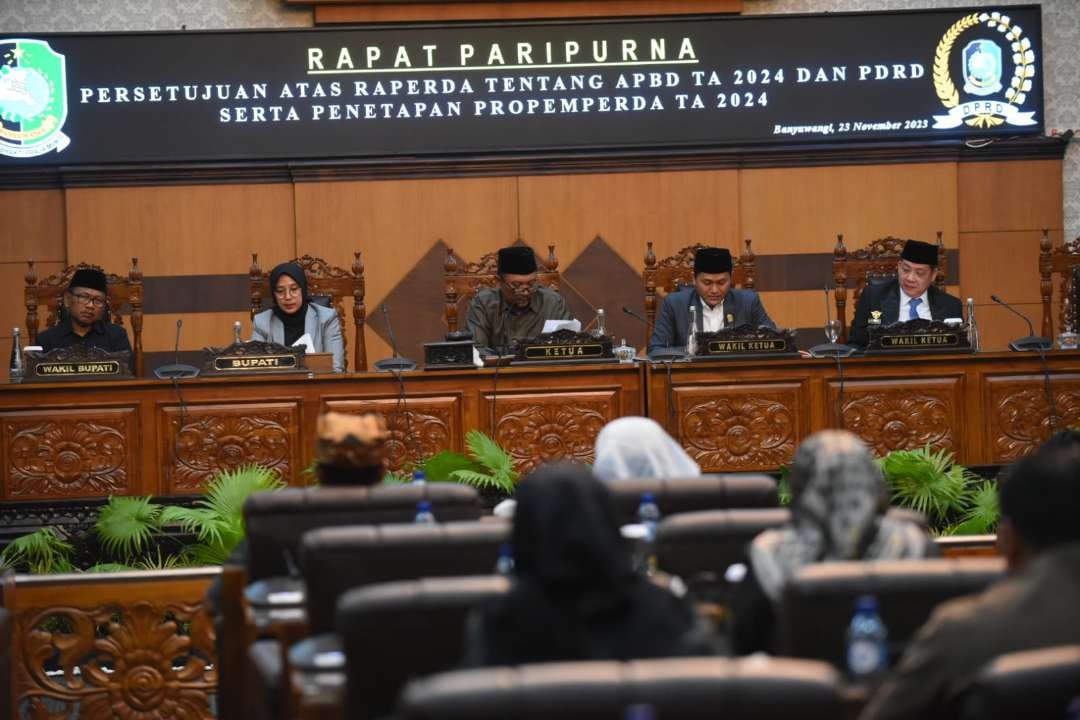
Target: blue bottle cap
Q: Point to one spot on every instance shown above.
(866, 603)
(648, 497)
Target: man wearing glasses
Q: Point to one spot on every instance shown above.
(83, 321)
(515, 309)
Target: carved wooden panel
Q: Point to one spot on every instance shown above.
(70, 453)
(1019, 413)
(419, 427)
(200, 441)
(731, 428)
(539, 427)
(146, 660)
(894, 414)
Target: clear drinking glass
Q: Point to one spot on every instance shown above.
(832, 330)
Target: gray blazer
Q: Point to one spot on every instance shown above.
(321, 324)
(673, 321)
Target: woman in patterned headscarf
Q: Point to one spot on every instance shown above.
(838, 505)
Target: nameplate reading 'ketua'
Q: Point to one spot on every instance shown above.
(564, 345)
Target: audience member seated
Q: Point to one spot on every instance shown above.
(637, 447)
(1035, 607)
(838, 505)
(350, 449)
(575, 595)
(293, 316)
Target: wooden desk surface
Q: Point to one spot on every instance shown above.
(137, 437)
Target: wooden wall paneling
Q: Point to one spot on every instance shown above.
(181, 230)
(897, 413)
(742, 427)
(1017, 413)
(361, 12)
(801, 210)
(672, 209)
(62, 452)
(419, 426)
(1013, 195)
(200, 440)
(396, 224)
(33, 226)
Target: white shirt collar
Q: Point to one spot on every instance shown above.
(923, 308)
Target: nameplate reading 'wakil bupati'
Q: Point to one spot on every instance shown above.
(918, 336)
(78, 362)
(747, 340)
(564, 345)
(253, 357)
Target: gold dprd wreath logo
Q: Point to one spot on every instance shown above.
(982, 63)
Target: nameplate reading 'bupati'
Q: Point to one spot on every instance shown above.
(253, 357)
(564, 345)
(77, 362)
(747, 340)
(918, 336)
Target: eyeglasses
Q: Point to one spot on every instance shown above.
(287, 291)
(520, 287)
(92, 300)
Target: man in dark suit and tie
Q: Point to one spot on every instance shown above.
(718, 304)
(910, 296)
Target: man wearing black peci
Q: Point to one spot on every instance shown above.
(718, 304)
(518, 307)
(910, 296)
(85, 320)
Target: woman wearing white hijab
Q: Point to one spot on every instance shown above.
(637, 447)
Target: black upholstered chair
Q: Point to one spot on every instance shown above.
(701, 545)
(7, 707)
(817, 605)
(393, 632)
(1032, 684)
(708, 492)
(685, 688)
(275, 521)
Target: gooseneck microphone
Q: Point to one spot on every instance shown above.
(176, 370)
(830, 348)
(1039, 345)
(1031, 342)
(634, 315)
(396, 363)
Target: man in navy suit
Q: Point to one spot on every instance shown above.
(909, 296)
(718, 304)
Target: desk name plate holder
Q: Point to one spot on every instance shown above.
(77, 362)
(918, 336)
(745, 341)
(253, 357)
(564, 346)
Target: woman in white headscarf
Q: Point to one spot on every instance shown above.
(838, 504)
(637, 447)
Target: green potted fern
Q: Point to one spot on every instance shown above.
(484, 466)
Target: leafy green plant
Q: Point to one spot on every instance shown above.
(981, 516)
(42, 551)
(927, 481)
(783, 486)
(217, 519)
(486, 466)
(127, 526)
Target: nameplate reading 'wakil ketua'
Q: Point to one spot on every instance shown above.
(78, 362)
(918, 336)
(564, 345)
(746, 340)
(253, 357)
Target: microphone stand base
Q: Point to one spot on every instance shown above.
(832, 350)
(176, 371)
(1031, 342)
(394, 364)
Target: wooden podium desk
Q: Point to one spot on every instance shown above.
(71, 440)
(743, 415)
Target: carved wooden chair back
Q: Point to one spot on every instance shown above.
(338, 285)
(669, 274)
(463, 279)
(1063, 261)
(125, 294)
(870, 265)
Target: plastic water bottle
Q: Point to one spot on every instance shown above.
(600, 330)
(691, 335)
(867, 651)
(423, 513)
(237, 340)
(418, 477)
(15, 369)
(505, 564)
(973, 327)
(648, 513)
